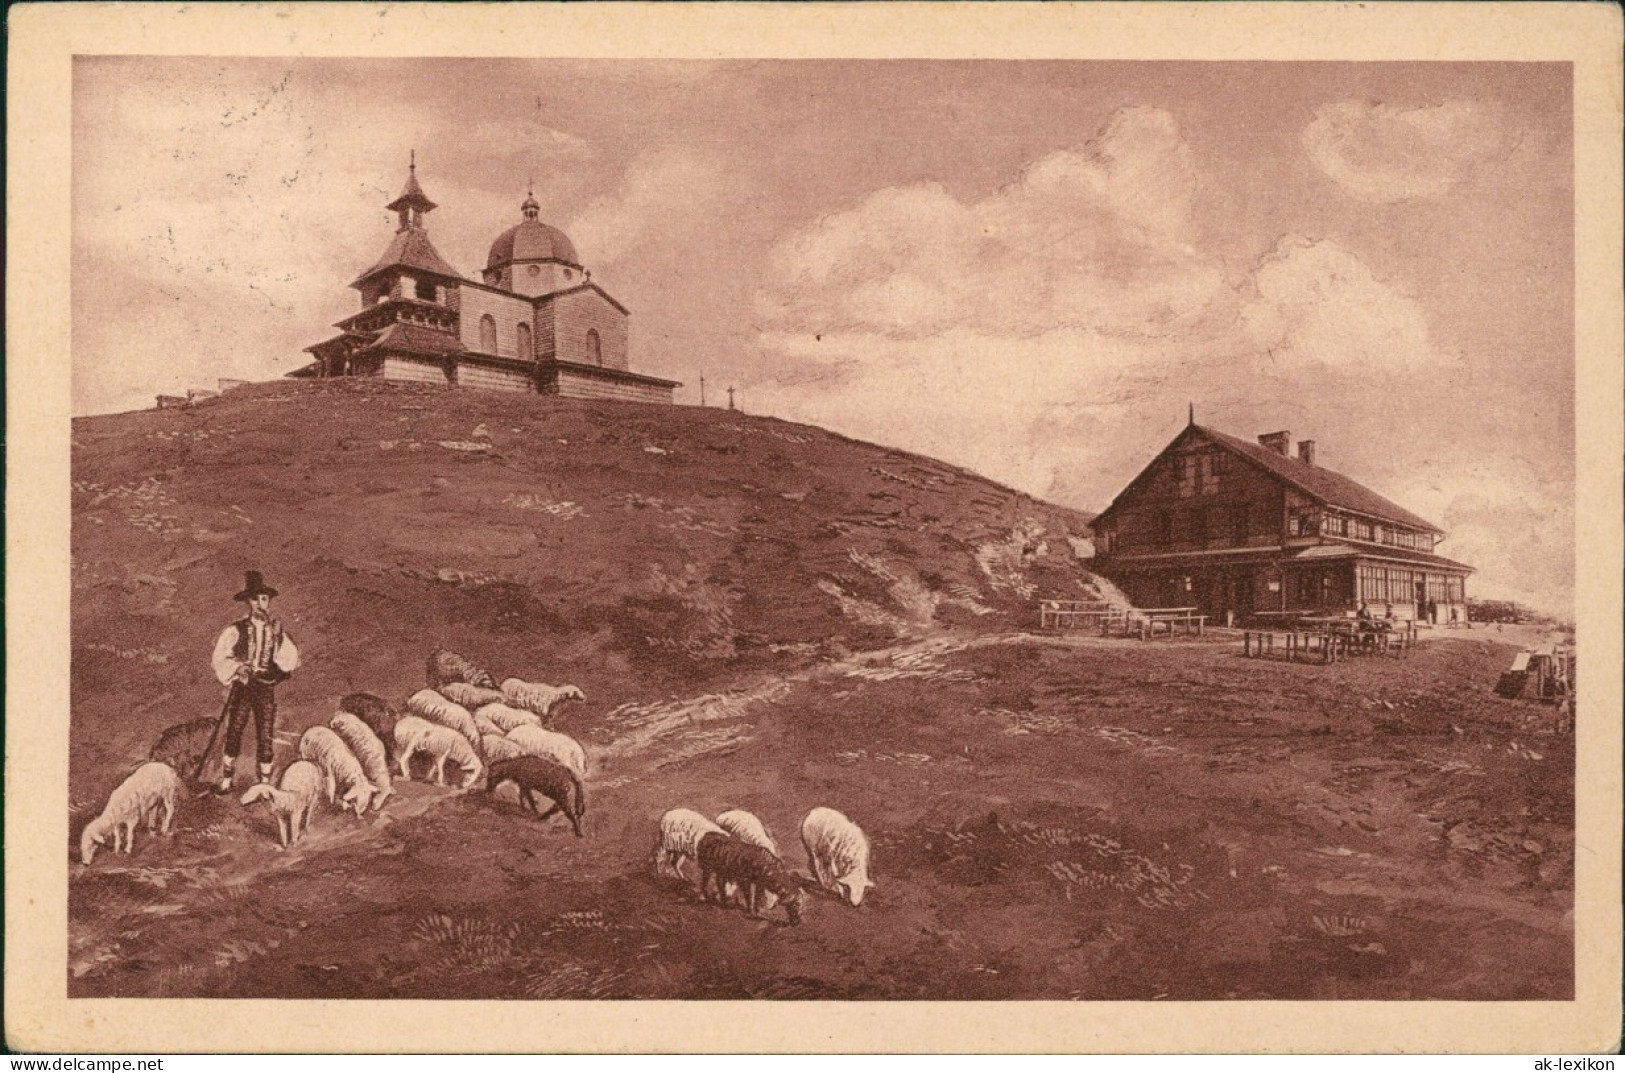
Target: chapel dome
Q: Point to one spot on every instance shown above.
(531, 240)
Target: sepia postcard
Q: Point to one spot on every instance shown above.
(963, 527)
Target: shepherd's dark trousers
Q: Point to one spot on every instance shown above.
(260, 699)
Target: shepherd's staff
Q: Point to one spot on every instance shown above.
(208, 751)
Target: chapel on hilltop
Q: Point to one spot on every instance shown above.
(535, 322)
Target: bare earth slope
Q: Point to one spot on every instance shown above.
(768, 616)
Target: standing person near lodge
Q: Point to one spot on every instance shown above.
(251, 656)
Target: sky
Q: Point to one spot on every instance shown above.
(1027, 268)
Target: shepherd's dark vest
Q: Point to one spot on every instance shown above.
(239, 651)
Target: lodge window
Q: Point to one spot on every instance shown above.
(1362, 530)
(1302, 523)
(488, 334)
(1187, 476)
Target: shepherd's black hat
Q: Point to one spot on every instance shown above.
(254, 585)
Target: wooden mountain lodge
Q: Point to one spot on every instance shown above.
(1249, 533)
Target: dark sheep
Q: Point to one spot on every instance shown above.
(182, 746)
(379, 716)
(536, 775)
(725, 859)
(444, 666)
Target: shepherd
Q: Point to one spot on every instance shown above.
(251, 656)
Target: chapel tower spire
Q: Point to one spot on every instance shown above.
(413, 202)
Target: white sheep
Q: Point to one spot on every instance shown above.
(346, 779)
(747, 828)
(680, 832)
(150, 787)
(414, 735)
(838, 852)
(427, 704)
(506, 718)
(369, 749)
(293, 800)
(485, 727)
(498, 747)
(551, 745)
(538, 697)
(470, 696)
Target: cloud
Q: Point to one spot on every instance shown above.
(1096, 238)
(670, 193)
(1315, 303)
(1383, 154)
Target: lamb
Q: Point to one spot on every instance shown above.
(552, 745)
(346, 780)
(292, 801)
(536, 696)
(726, 861)
(486, 728)
(470, 696)
(533, 774)
(182, 746)
(447, 666)
(379, 715)
(680, 832)
(839, 853)
(427, 704)
(747, 828)
(414, 735)
(507, 718)
(137, 799)
(369, 750)
(496, 747)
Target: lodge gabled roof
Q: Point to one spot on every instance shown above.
(1325, 486)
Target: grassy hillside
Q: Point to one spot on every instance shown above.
(634, 550)
(767, 616)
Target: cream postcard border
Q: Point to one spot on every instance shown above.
(44, 38)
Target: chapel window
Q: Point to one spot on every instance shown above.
(595, 348)
(488, 334)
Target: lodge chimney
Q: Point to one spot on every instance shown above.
(1279, 442)
(1306, 452)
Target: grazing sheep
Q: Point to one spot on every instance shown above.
(414, 735)
(506, 718)
(537, 697)
(533, 775)
(369, 750)
(499, 747)
(182, 746)
(838, 852)
(149, 788)
(680, 832)
(726, 862)
(447, 666)
(552, 745)
(486, 727)
(470, 696)
(346, 780)
(379, 715)
(747, 828)
(427, 704)
(293, 800)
